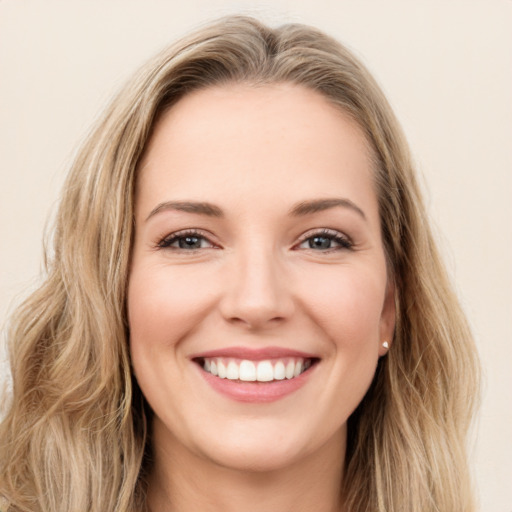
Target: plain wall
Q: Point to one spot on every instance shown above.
(445, 65)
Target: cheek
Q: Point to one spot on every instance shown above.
(346, 304)
(164, 304)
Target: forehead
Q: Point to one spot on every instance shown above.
(244, 139)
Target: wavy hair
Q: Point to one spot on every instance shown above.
(75, 435)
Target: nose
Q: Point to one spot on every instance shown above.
(257, 292)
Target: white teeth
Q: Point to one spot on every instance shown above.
(221, 369)
(279, 373)
(298, 369)
(290, 369)
(264, 371)
(232, 371)
(247, 371)
(261, 371)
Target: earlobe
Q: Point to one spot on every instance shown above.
(388, 317)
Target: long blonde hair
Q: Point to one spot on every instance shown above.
(75, 435)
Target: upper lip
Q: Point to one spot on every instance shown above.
(254, 354)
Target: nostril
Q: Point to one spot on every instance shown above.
(255, 321)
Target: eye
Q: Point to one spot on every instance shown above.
(189, 240)
(325, 240)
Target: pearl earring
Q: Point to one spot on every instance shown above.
(385, 345)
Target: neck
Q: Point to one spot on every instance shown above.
(182, 482)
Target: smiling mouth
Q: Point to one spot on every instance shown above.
(245, 370)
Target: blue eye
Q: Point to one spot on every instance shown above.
(323, 241)
(188, 241)
(326, 240)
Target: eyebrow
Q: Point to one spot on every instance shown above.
(300, 209)
(200, 208)
(319, 205)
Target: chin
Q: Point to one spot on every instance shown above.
(254, 458)
(262, 447)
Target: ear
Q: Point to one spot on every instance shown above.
(388, 317)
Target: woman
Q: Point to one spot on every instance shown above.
(245, 309)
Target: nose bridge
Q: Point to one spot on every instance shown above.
(256, 292)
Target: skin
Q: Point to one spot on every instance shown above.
(255, 281)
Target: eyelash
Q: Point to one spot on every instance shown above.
(166, 242)
(330, 234)
(344, 242)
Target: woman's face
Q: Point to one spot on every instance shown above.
(257, 254)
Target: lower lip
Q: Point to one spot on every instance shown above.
(256, 392)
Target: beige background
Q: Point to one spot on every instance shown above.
(445, 66)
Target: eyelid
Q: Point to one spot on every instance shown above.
(167, 240)
(341, 238)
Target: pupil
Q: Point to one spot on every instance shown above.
(190, 242)
(320, 242)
